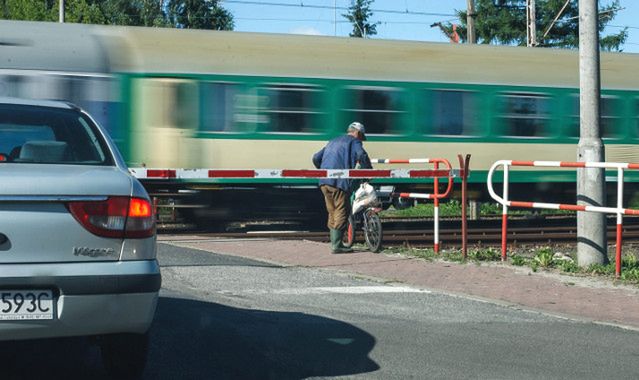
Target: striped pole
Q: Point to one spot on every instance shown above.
(619, 222)
(436, 211)
(504, 216)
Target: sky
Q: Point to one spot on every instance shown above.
(400, 19)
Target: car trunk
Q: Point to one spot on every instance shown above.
(35, 223)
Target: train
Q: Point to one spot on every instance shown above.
(174, 98)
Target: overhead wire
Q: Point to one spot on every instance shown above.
(301, 4)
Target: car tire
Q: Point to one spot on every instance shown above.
(124, 355)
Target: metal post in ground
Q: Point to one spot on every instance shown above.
(504, 216)
(619, 222)
(591, 227)
(436, 209)
(464, 167)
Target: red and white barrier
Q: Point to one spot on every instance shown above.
(619, 210)
(448, 172)
(436, 196)
(154, 173)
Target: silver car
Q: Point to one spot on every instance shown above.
(77, 235)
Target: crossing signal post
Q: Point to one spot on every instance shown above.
(591, 227)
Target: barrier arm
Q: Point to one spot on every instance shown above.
(435, 173)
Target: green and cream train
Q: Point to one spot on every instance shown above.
(208, 99)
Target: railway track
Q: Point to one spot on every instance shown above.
(420, 233)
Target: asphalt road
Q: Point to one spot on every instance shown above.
(222, 317)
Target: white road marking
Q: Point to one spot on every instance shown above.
(350, 290)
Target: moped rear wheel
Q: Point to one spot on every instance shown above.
(373, 231)
(349, 234)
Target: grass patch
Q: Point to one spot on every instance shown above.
(542, 259)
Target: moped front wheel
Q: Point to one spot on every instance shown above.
(373, 231)
(349, 234)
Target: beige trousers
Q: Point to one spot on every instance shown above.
(337, 205)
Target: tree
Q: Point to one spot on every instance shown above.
(504, 22)
(136, 12)
(199, 14)
(35, 10)
(358, 14)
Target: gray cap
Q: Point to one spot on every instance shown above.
(359, 127)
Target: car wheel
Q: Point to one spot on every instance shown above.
(124, 355)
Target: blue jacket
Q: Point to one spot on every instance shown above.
(342, 152)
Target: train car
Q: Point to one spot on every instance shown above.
(211, 99)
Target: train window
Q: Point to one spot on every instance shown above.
(454, 112)
(290, 108)
(525, 115)
(609, 126)
(218, 106)
(166, 103)
(377, 108)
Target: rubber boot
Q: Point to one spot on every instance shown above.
(336, 242)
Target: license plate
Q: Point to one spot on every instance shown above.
(26, 304)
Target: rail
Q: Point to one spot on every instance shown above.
(620, 211)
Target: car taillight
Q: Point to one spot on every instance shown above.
(116, 217)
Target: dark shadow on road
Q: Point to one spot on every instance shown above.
(201, 340)
(197, 340)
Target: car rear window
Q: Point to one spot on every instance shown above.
(46, 135)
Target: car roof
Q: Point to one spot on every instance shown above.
(38, 103)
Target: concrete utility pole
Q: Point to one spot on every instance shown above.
(591, 190)
(531, 24)
(470, 22)
(61, 11)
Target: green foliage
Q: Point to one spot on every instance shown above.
(455, 256)
(136, 12)
(519, 260)
(485, 254)
(544, 258)
(195, 14)
(35, 10)
(567, 266)
(358, 14)
(199, 14)
(601, 269)
(504, 22)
